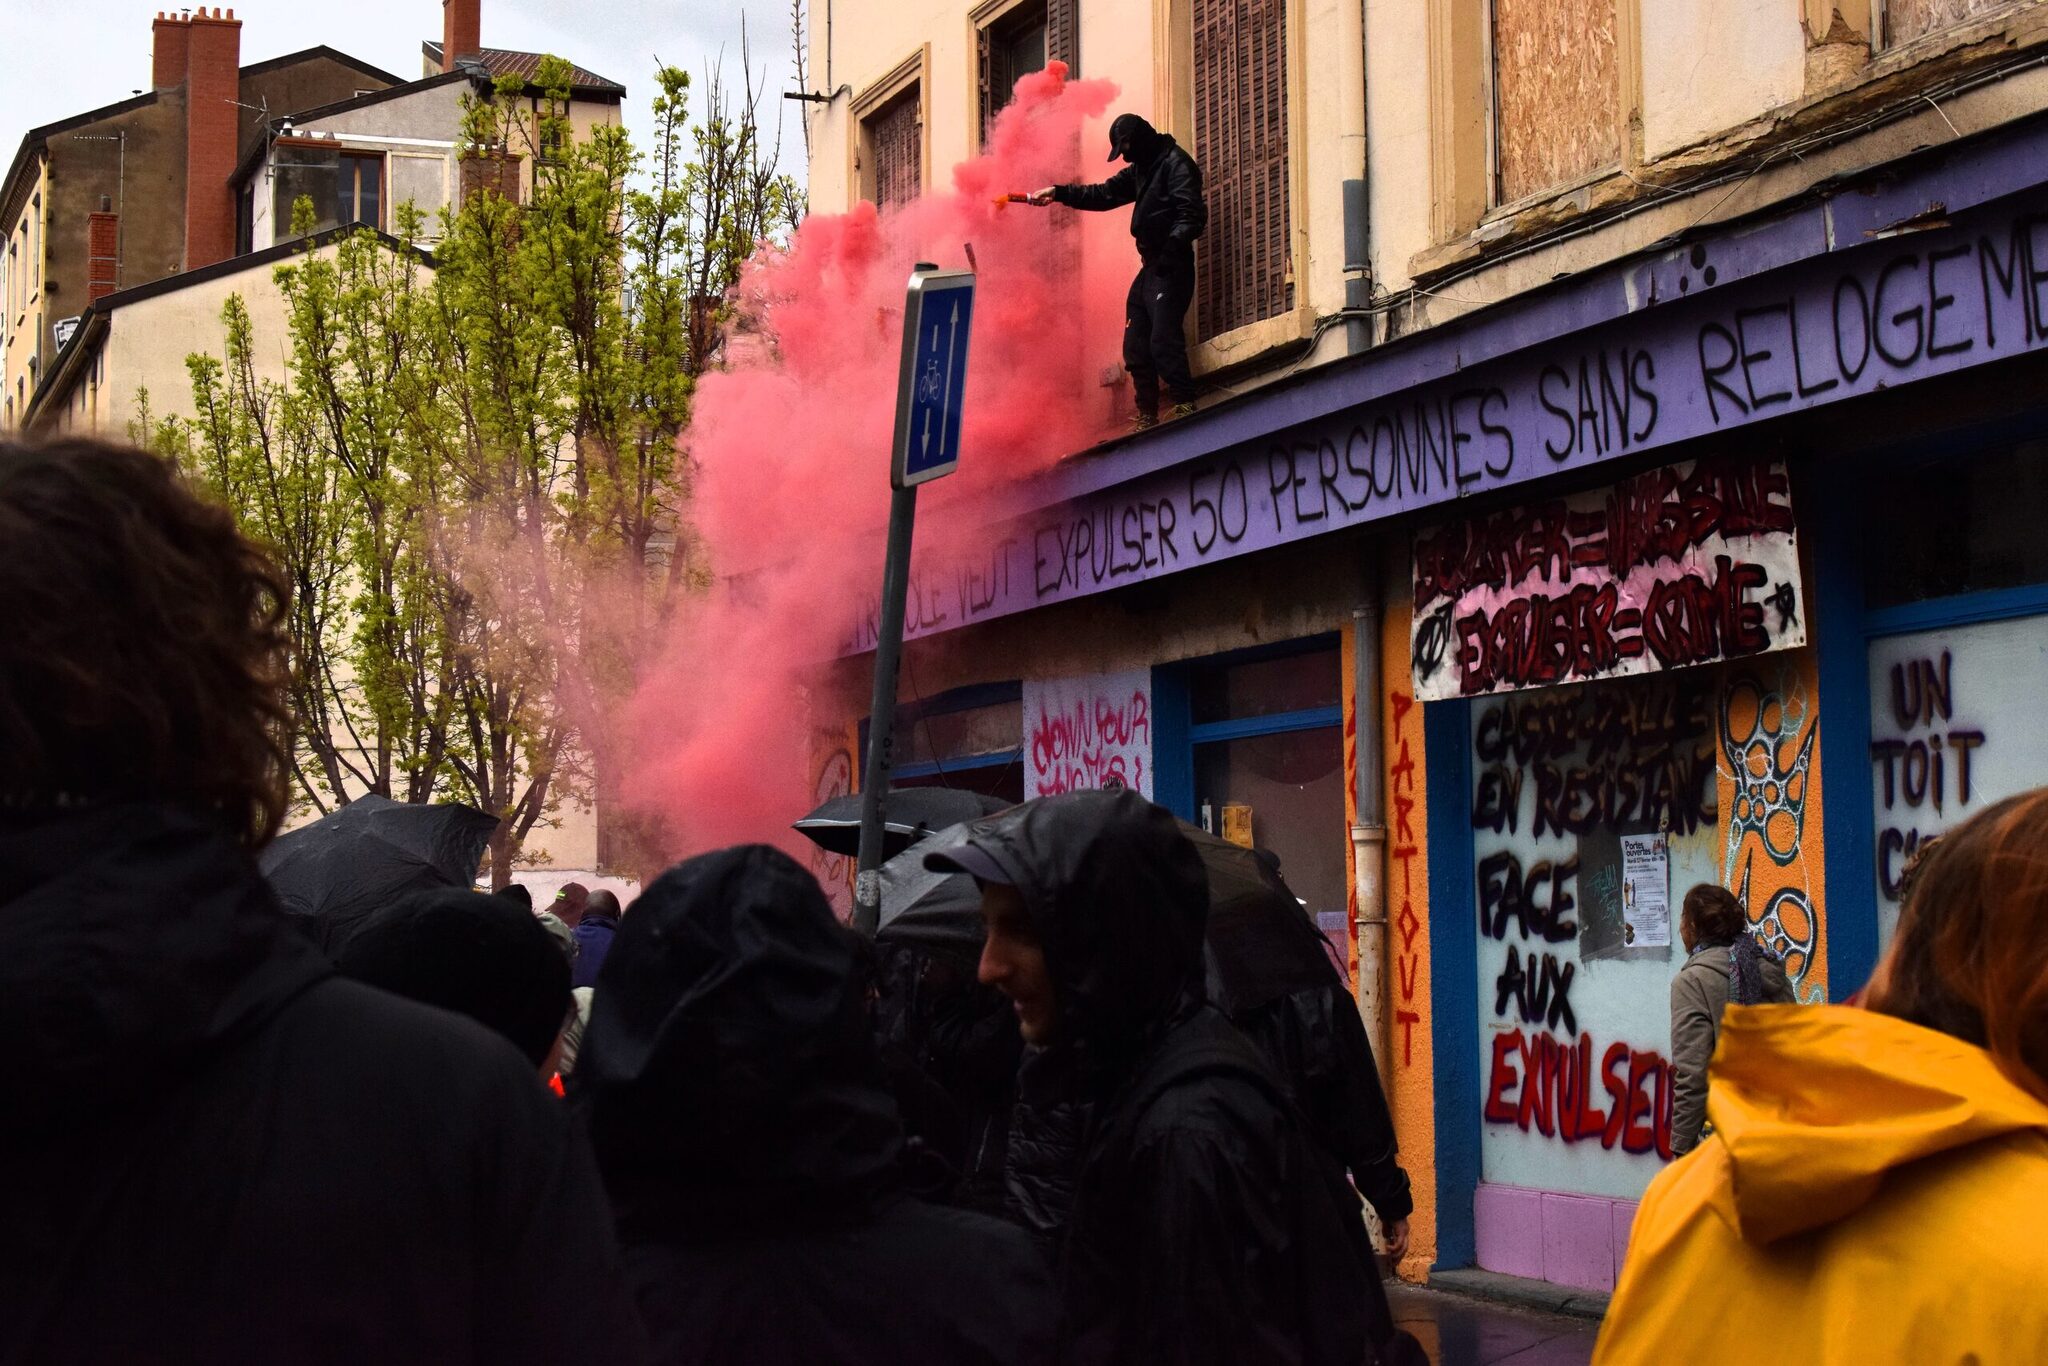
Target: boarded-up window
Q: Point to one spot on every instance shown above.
(895, 147)
(1243, 266)
(1556, 93)
(1905, 20)
(423, 183)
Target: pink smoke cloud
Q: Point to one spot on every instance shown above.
(791, 444)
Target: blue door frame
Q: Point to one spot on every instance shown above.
(1844, 627)
(1175, 735)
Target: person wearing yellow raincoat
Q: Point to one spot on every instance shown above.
(1875, 1188)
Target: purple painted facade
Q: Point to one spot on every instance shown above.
(1810, 307)
(1574, 1240)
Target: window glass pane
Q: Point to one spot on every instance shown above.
(1946, 525)
(1005, 781)
(369, 185)
(1266, 687)
(1293, 786)
(1953, 729)
(309, 172)
(996, 729)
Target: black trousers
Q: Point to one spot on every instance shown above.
(1155, 347)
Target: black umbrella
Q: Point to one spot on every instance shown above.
(909, 814)
(939, 912)
(1260, 943)
(371, 852)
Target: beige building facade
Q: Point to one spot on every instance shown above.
(1487, 147)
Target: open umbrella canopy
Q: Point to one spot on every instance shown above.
(371, 852)
(909, 814)
(1260, 943)
(940, 912)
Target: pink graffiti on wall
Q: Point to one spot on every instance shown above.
(1089, 733)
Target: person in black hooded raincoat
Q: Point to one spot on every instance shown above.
(1203, 1225)
(1163, 186)
(213, 1149)
(753, 1152)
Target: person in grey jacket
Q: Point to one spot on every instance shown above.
(1725, 964)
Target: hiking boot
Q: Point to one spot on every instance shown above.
(1181, 410)
(1144, 422)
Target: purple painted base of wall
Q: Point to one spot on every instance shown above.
(1574, 1240)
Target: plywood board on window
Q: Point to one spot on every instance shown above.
(1905, 20)
(1557, 93)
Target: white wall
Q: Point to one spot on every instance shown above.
(1709, 65)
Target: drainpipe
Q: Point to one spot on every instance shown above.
(1351, 163)
(1369, 835)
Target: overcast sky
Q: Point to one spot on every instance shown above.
(73, 55)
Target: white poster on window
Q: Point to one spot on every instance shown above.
(1955, 726)
(1090, 732)
(1645, 891)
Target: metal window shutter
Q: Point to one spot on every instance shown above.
(984, 77)
(1063, 34)
(899, 161)
(1242, 262)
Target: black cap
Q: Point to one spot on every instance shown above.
(1128, 128)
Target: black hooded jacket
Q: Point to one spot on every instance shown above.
(1203, 1227)
(752, 1150)
(212, 1150)
(1162, 184)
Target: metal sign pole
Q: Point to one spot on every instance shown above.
(938, 318)
(867, 886)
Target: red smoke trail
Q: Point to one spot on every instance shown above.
(792, 442)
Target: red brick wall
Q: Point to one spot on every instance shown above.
(495, 171)
(102, 253)
(168, 52)
(211, 120)
(461, 30)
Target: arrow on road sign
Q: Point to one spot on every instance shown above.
(951, 337)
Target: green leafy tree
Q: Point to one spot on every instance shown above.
(470, 468)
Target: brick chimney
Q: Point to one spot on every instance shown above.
(462, 24)
(167, 52)
(212, 124)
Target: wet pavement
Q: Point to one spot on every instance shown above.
(1460, 1331)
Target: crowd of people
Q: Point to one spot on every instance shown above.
(722, 1127)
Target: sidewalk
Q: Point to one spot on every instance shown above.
(1458, 1331)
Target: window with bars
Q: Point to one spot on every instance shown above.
(894, 151)
(1556, 94)
(1243, 266)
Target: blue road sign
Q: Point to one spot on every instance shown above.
(937, 319)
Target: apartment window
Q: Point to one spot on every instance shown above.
(1901, 21)
(345, 187)
(896, 142)
(889, 135)
(969, 739)
(1244, 267)
(1013, 40)
(1557, 115)
(35, 257)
